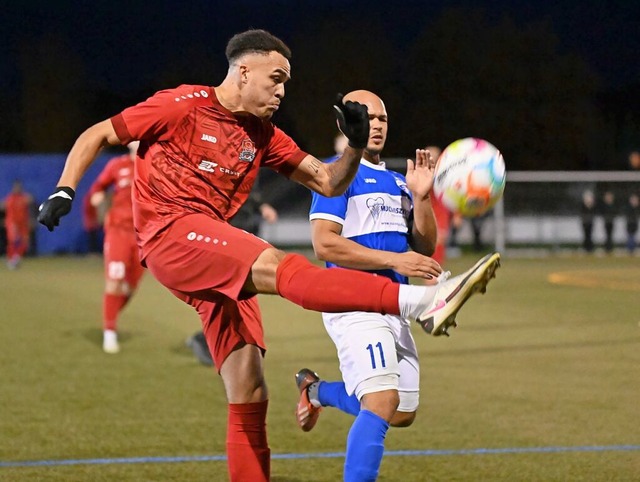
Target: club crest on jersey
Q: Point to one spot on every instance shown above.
(248, 151)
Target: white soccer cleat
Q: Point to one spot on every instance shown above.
(110, 342)
(454, 292)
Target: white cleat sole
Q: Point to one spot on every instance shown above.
(438, 321)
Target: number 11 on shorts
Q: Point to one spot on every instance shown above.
(372, 353)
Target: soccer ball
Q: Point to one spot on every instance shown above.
(469, 177)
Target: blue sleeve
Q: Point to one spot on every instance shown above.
(331, 208)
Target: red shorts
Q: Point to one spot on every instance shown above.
(121, 259)
(205, 263)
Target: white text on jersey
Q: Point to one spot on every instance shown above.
(209, 138)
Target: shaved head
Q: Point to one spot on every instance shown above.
(365, 97)
(377, 122)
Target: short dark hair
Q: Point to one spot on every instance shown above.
(255, 41)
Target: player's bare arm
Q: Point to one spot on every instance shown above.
(85, 150)
(420, 181)
(328, 179)
(330, 245)
(82, 154)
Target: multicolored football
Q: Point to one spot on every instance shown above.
(470, 176)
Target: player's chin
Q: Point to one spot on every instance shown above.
(376, 142)
(266, 114)
(375, 148)
(269, 110)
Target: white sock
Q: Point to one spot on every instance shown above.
(413, 300)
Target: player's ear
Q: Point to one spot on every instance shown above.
(244, 73)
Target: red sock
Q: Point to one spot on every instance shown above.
(111, 307)
(11, 248)
(248, 454)
(335, 290)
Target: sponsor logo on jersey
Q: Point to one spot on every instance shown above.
(370, 180)
(374, 206)
(207, 166)
(209, 138)
(377, 206)
(224, 170)
(210, 166)
(248, 151)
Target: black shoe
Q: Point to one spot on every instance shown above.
(198, 344)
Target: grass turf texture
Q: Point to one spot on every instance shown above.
(538, 361)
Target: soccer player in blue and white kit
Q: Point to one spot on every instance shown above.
(372, 227)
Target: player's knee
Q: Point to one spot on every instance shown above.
(269, 259)
(243, 375)
(402, 419)
(384, 403)
(262, 278)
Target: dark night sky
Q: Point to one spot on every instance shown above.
(124, 43)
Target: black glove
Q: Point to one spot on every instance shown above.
(353, 121)
(56, 206)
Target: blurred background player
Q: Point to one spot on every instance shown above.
(608, 210)
(371, 228)
(91, 225)
(249, 218)
(587, 216)
(443, 218)
(632, 215)
(340, 143)
(121, 261)
(17, 206)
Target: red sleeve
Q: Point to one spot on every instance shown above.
(155, 118)
(283, 154)
(104, 180)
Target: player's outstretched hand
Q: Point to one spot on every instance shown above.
(420, 174)
(353, 121)
(56, 206)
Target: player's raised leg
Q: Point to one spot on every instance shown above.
(339, 290)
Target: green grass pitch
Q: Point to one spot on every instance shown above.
(548, 358)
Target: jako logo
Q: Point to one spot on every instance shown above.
(209, 138)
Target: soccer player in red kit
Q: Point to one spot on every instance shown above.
(200, 150)
(17, 222)
(121, 262)
(443, 218)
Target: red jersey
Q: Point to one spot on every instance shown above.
(17, 209)
(117, 175)
(442, 214)
(89, 214)
(196, 156)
